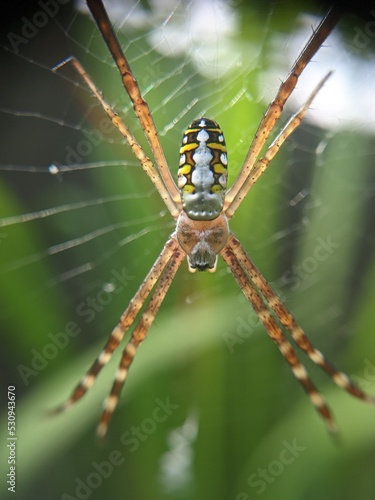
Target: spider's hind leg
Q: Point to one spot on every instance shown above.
(138, 336)
(276, 334)
(288, 322)
(264, 299)
(126, 321)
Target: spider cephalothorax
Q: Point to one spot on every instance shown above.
(202, 240)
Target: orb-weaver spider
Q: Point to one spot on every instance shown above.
(202, 207)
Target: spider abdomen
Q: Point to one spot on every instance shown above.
(202, 173)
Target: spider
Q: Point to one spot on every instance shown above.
(202, 207)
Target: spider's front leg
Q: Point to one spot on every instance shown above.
(238, 191)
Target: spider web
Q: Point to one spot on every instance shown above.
(79, 219)
(59, 145)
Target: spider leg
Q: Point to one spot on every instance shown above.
(276, 334)
(262, 164)
(123, 325)
(145, 162)
(138, 336)
(288, 321)
(131, 86)
(239, 188)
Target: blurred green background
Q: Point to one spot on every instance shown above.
(233, 424)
